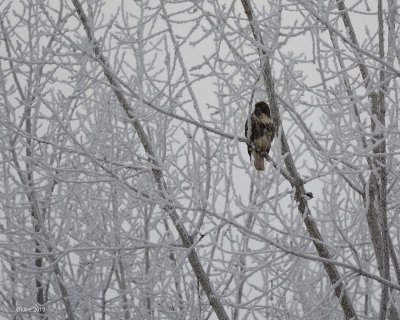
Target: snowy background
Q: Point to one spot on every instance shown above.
(126, 190)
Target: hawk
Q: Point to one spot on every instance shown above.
(261, 134)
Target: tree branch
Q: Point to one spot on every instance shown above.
(298, 184)
(169, 207)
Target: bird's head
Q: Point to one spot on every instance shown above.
(262, 107)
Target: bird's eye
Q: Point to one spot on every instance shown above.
(263, 126)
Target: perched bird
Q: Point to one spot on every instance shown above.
(262, 131)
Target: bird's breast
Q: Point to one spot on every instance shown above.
(263, 143)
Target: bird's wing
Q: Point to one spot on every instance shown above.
(246, 129)
(256, 127)
(271, 130)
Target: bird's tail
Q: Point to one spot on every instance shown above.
(259, 161)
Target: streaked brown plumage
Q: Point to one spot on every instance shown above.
(261, 134)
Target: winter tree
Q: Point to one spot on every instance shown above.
(126, 187)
